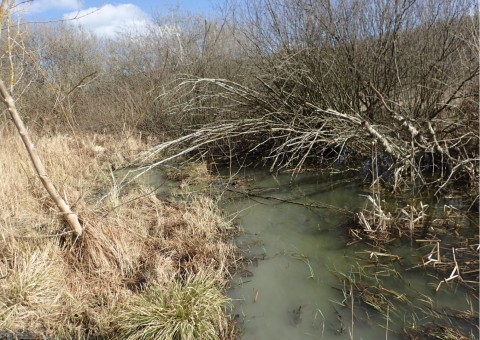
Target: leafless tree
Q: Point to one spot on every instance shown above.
(12, 38)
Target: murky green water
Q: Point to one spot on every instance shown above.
(289, 290)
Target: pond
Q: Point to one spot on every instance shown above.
(299, 271)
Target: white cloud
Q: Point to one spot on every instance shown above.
(108, 20)
(38, 6)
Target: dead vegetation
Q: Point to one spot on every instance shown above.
(369, 287)
(449, 238)
(334, 90)
(54, 284)
(279, 82)
(444, 245)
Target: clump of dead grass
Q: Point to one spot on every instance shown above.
(191, 175)
(32, 286)
(381, 222)
(196, 236)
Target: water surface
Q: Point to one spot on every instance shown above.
(289, 290)
(294, 239)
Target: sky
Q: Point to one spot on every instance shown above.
(106, 18)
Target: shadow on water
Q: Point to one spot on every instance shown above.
(297, 260)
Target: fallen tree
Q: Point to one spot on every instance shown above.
(393, 85)
(289, 139)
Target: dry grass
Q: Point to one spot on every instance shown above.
(196, 237)
(52, 284)
(32, 286)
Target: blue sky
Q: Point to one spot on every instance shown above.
(105, 18)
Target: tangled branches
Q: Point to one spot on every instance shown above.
(317, 87)
(287, 132)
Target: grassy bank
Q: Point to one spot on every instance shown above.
(144, 267)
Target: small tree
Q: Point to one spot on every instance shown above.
(70, 217)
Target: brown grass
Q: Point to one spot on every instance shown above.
(52, 284)
(32, 286)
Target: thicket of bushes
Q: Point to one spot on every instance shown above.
(323, 80)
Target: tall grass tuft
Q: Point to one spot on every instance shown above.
(32, 287)
(193, 309)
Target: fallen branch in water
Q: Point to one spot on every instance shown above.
(308, 205)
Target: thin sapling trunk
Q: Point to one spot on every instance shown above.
(68, 214)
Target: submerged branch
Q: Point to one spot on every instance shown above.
(320, 205)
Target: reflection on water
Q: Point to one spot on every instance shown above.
(289, 290)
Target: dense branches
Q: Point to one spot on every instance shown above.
(330, 78)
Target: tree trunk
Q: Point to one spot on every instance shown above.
(68, 214)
